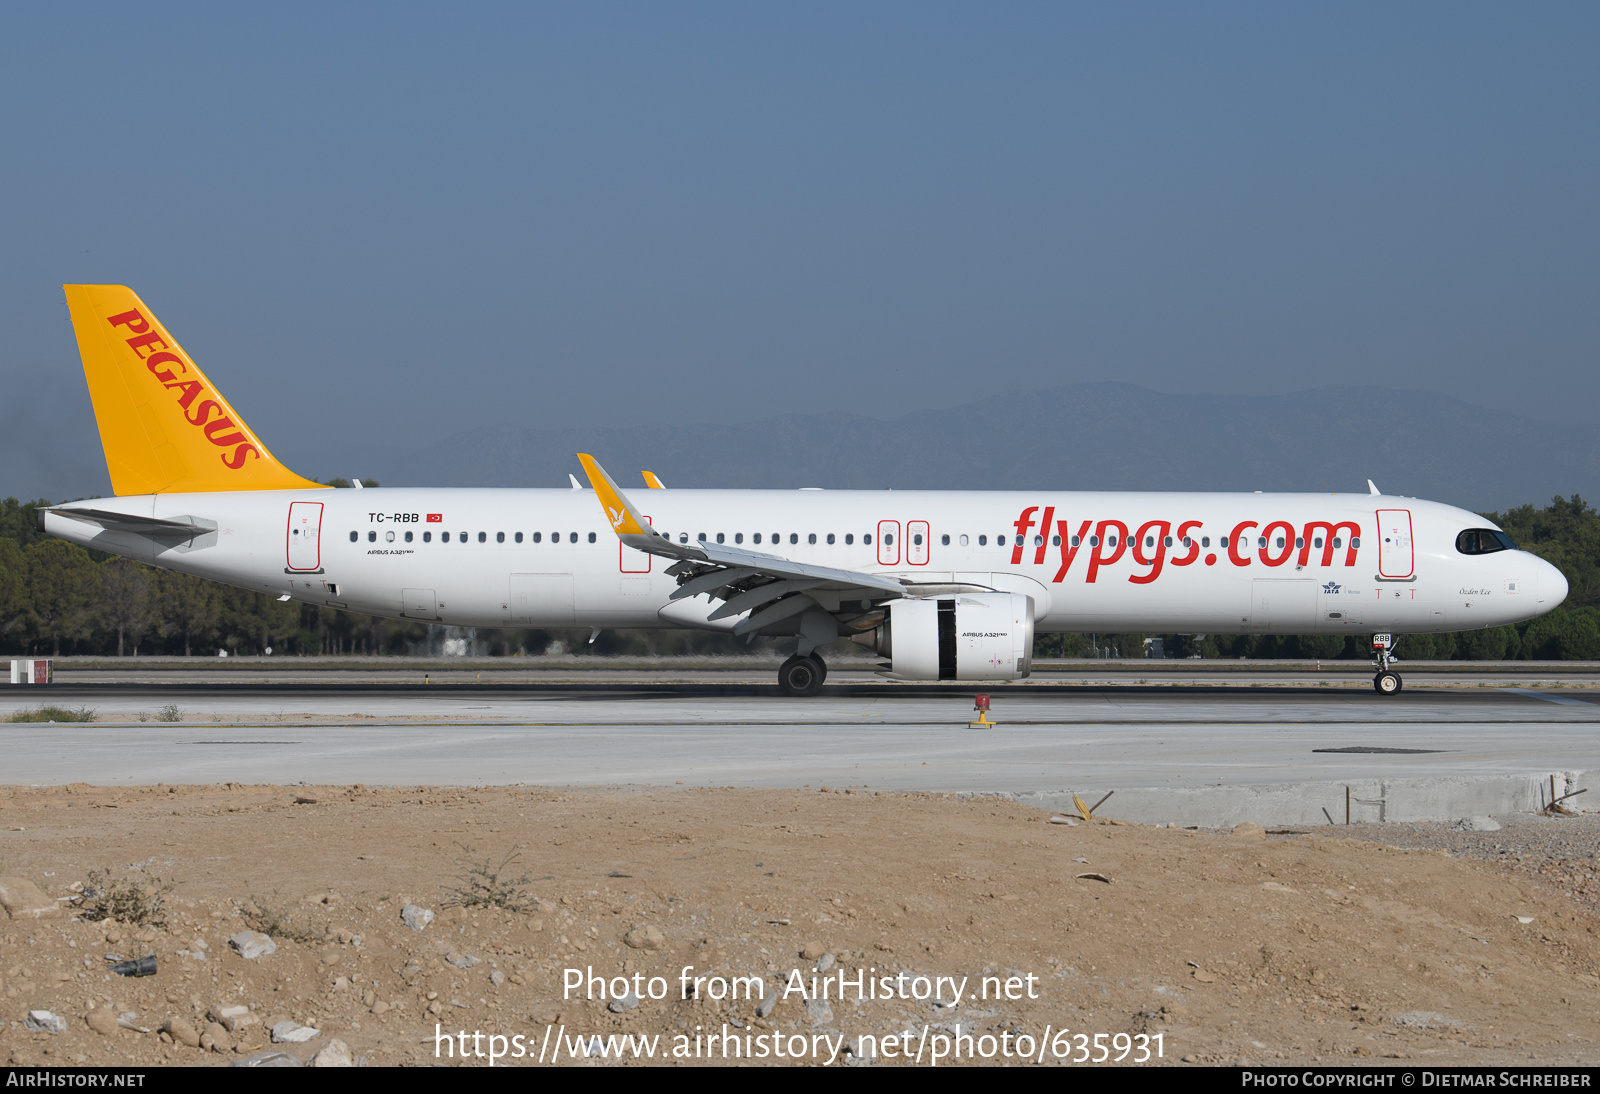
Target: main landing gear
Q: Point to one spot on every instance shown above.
(1387, 681)
(802, 675)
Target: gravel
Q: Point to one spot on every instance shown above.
(1561, 852)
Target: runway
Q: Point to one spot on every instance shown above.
(1190, 754)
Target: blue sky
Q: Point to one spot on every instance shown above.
(391, 220)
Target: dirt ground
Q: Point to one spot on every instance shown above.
(1181, 945)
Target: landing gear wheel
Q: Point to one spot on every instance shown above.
(1387, 683)
(822, 666)
(800, 676)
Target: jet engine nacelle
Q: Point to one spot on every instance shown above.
(970, 636)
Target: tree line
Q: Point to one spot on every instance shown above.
(57, 598)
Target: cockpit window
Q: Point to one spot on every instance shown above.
(1483, 541)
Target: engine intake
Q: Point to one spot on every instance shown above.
(973, 636)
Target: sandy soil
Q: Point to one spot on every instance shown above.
(1204, 947)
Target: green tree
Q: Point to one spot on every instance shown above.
(188, 607)
(13, 588)
(19, 523)
(125, 600)
(1566, 534)
(63, 586)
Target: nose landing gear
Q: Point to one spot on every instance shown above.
(1386, 681)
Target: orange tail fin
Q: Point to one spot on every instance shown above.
(164, 428)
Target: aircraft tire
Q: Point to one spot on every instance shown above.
(1387, 683)
(799, 677)
(822, 667)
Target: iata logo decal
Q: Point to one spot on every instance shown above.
(220, 431)
(1332, 587)
(1156, 544)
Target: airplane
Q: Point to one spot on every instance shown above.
(944, 585)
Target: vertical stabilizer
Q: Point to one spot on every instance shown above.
(164, 428)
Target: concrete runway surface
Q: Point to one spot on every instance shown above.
(1182, 754)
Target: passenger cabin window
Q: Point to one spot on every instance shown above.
(354, 536)
(812, 538)
(519, 537)
(738, 537)
(463, 537)
(408, 536)
(444, 537)
(427, 537)
(756, 538)
(483, 537)
(794, 537)
(867, 540)
(830, 537)
(849, 538)
(499, 537)
(591, 538)
(1483, 541)
(372, 537)
(719, 537)
(944, 541)
(983, 541)
(963, 541)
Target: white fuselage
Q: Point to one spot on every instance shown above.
(1280, 563)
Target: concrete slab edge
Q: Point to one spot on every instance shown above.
(1322, 804)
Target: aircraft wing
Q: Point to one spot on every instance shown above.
(771, 588)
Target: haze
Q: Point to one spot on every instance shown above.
(384, 226)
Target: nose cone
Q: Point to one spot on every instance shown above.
(1552, 586)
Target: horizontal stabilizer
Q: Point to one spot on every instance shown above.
(144, 526)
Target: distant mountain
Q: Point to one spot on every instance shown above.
(1108, 436)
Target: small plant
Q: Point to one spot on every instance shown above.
(139, 900)
(269, 918)
(53, 714)
(484, 884)
(169, 713)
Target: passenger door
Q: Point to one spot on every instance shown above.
(304, 537)
(1396, 556)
